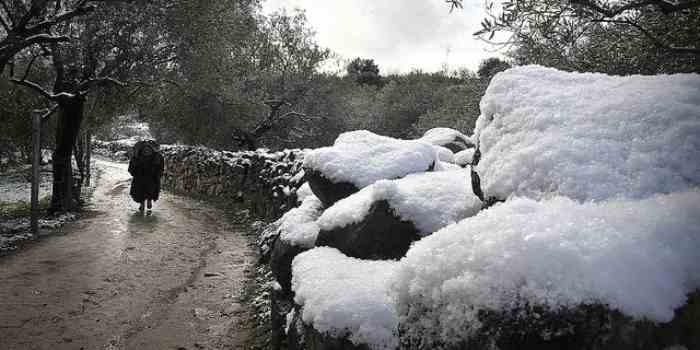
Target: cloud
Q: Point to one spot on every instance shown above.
(399, 35)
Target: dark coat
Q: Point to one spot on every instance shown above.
(146, 171)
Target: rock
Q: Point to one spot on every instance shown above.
(592, 326)
(281, 262)
(326, 190)
(313, 340)
(301, 336)
(281, 304)
(360, 158)
(380, 235)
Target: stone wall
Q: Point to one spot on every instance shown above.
(264, 181)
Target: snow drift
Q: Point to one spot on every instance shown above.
(362, 157)
(543, 132)
(638, 256)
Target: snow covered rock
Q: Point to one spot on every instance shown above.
(325, 189)
(297, 230)
(359, 158)
(464, 158)
(382, 220)
(345, 301)
(523, 260)
(444, 154)
(451, 139)
(544, 132)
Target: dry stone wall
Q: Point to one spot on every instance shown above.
(265, 181)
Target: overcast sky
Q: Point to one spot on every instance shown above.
(398, 34)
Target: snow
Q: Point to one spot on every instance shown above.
(544, 132)
(445, 166)
(430, 200)
(304, 191)
(638, 256)
(16, 187)
(443, 136)
(298, 226)
(344, 296)
(601, 181)
(444, 154)
(362, 158)
(465, 157)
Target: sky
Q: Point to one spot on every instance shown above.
(400, 35)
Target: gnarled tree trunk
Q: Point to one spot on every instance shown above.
(64, 198)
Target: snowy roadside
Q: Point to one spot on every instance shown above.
(584, 230)
(15, 208)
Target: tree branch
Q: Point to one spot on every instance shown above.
(80, 9)
(102, 81)
(658, 42)
(36, 87)
(47, 112)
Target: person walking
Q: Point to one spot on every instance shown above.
(146, 167)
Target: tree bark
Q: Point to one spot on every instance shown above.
(64, 197)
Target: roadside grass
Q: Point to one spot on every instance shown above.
(19, 209)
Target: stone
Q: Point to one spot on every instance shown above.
(281, 262)
(589, 326)
(380, 235)
(326, 190)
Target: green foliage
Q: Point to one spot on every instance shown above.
(615, 37)
(20, 209)
(364, 71)
(490, 66)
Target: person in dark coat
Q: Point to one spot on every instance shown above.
(146, 166)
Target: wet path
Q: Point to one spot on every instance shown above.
(121, 280)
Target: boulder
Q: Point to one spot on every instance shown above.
(588, 326)
(326, 190)
(380, 235)
(281, 262)
(360, 158)
(281, 304)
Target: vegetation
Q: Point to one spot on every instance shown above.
(221, 74)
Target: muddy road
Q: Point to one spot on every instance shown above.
(118, 279)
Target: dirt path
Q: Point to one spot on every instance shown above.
(120, 280)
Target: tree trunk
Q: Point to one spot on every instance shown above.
(70, 117)
(88, 157)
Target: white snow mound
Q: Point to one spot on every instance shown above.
(444, 154)
(429, 200)
(638, 256)
(344, 296)
(443, 136)
(298, 226)
(544, 132)
(362, 158)
(465, 157)
(304, 191)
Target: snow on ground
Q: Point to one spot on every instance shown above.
(346, 296)
(361, 158)
(16, 187)
(17, 230)
(429, 200)
(544, 132)
(638, 256)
